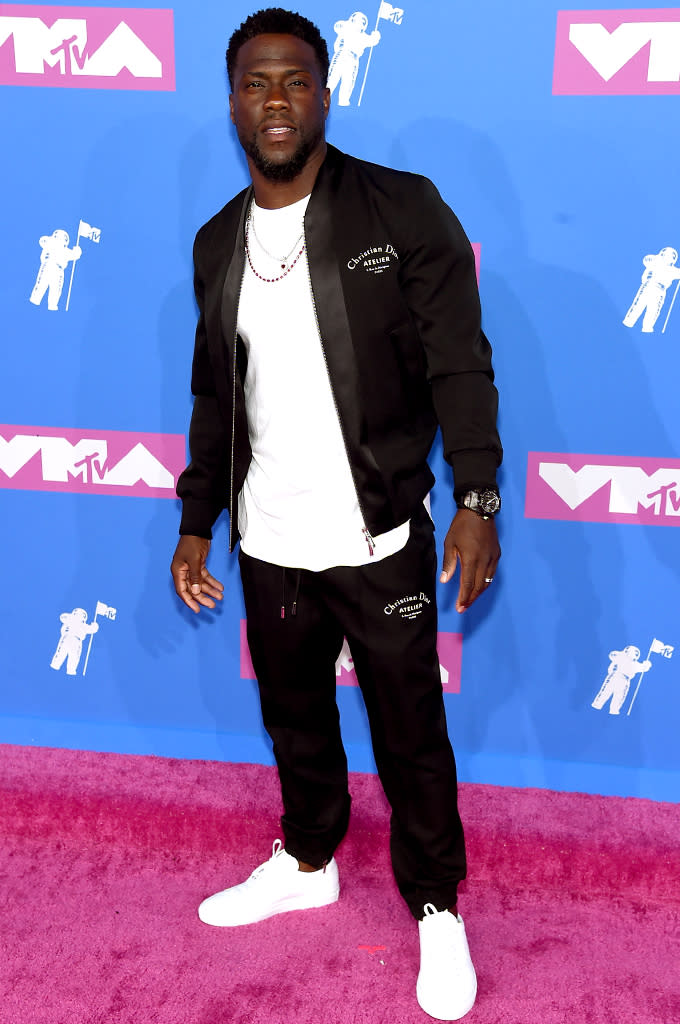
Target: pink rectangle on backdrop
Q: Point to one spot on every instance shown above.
(577, 74)
(634, 490)
(87, 47)
(90, 461)
(477, 250)
(450, 650)
(449, 647)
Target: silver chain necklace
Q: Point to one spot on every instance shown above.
(286, 269)
(278, 259)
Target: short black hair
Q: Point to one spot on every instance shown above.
(277, 21)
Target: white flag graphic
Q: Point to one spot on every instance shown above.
(87, 231)
(390, 13)
(105, 610)
(659, 647)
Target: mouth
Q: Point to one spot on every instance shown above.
(278, 131)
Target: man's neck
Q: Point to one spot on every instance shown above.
(272, 195)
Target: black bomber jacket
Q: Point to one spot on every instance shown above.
(396, 300)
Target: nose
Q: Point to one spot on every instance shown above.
(276, 98)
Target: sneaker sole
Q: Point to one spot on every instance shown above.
(280, 908)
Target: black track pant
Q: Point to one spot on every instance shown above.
(393, 645)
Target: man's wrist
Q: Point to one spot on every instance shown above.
(484, 501)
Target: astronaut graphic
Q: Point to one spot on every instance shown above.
(624, 665)
(54, 258)
(660, 272)
(352, 39)
(74, 629)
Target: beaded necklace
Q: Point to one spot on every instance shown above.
(250, 226)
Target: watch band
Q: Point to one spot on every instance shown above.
(484, 502)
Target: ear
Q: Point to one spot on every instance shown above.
(231, 108)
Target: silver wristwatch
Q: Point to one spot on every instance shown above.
(484, 503)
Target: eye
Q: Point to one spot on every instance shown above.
(299, 81)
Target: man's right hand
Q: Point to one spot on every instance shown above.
(193, 582)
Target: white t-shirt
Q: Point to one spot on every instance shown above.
(298, 506)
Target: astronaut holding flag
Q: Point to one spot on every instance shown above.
(352, 39)
(55, 257)
(74, 629)
(624, 666)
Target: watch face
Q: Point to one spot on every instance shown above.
(489, 502)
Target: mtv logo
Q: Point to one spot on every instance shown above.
(624, 53)
(449, 647)
(105, 462)
(603, 489)
(87, 47)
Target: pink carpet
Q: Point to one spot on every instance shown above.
(572, 908)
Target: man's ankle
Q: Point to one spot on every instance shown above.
(306, 868)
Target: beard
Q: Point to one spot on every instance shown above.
(276, 170)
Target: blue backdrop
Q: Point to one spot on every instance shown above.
(566, 184)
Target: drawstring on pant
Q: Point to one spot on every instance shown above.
(293, 611)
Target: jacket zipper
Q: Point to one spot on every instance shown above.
(233, 416)
(367, 535)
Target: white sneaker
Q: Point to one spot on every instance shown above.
(447, 983)
(273, 888)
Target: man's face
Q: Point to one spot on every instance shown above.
(279, 104)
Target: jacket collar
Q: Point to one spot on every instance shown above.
(234, 276)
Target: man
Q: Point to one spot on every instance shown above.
(338, 310)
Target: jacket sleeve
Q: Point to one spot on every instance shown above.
(438, 279)
(203, 486)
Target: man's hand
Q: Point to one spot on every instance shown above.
(474, 542)
(193, 582)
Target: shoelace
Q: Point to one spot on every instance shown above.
(277, 849)
(447, 949)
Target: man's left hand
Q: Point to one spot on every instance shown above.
(474, 542)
